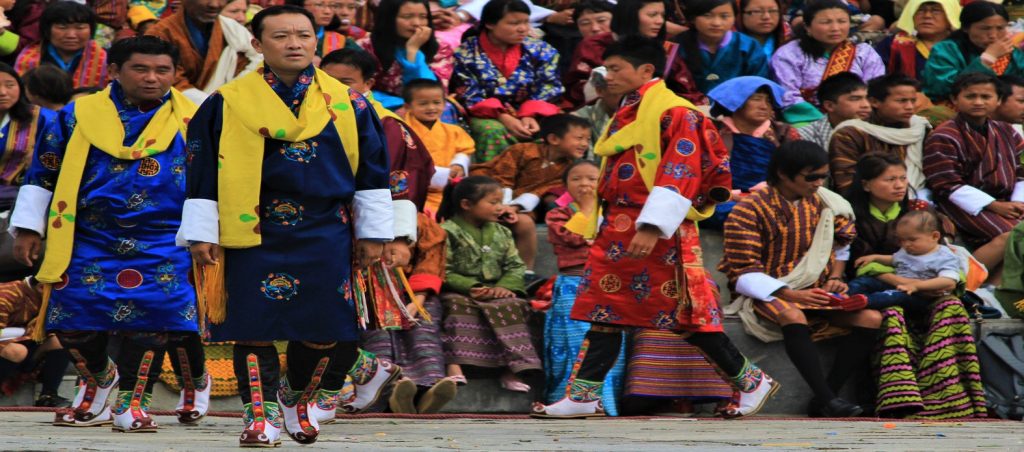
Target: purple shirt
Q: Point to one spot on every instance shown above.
(795, 70)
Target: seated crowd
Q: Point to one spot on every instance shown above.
(863, 168)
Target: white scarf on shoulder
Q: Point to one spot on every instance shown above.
(912, 137)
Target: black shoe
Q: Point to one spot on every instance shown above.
(835, 408)
(52, 401)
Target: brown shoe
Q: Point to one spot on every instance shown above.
(438, 396)
(402, 396)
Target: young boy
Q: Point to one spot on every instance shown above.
(648, 252)
(1011, 110)
(973, 167)
(842, 96)
(892, 128)
(922, 264)
(530, 171)
(449, 145)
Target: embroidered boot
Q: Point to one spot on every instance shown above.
(130, 412)
(753, 389)
(262, 418)
(90, 407)
(326, 406)
(296, 407)
(583, 401)
(194, 400)
(371, 377)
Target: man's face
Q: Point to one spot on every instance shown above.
(853, 105)
(977, 102)
(287, 42)
(145, 78)
(806, 183)
(592, 23)
(898, 107)
(349, 75)
(623, 77)
(203, 11)
(1012, 108)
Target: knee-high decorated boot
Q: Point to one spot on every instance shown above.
(90, 407)
(194, 400)
(296, 405)
(130, 411)
(262, 417)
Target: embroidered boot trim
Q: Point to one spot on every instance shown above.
(364, 368)
(748, 378)
(585, 391)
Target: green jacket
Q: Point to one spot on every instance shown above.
(481, 257)
(1011, 289)
(946, 62)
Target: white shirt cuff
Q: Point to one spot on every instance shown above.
(1018, 192)
(758, 286)
(200, 222)
(372, 214)
(405, 219)
(506, 196)
(970, 199)
(664, 209)
(31, 210)
(440, 178)
(7, 334)
(528, 201)
(843, 253)
(461, 160)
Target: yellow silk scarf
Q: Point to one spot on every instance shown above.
(253, 112)
(643, 135)
(99, 125)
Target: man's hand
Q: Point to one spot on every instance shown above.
(643, 242)
(807, 296)
(206, 253)
(456, 171)
(397, 254)
(835, 286)
(1007, 209)
(368, 252)
(27, 246)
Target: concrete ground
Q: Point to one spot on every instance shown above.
(32, 431)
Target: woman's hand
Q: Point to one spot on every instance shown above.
(445, 19)
(1001, 46)
(416, 41)
(531, 125)
(515, 126)
(817, 297)
(481, 293)
(501, 292)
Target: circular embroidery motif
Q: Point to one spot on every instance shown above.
(610, 283)
(50, 161)
(280, 286)
(670, 289)
(399, 183)
(299, 151)
(129, 278)
(684, 147)
(284, 212)
(149, 167)
(626, 171)
(711, 135)
(63, 282)
(622, 222)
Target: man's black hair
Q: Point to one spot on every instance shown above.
(560, 124)
(879, 88)
(257, 21)
(841, 84)
(638, 50)
(793, 157)
(970, 79)
(123, 49)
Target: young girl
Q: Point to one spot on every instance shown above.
(762, 20)
(713, 52)
(562, 335)
(485, 323)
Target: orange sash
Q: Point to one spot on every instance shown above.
(841, 60)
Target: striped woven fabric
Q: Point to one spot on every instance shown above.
(931, 372)
(663, 364)
(220, 367)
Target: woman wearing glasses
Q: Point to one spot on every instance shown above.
(713, 52)
(922, 24)
(762, 20)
